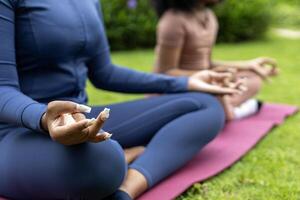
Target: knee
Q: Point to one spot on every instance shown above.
(205, 100)
(101, 177)
(211, 114)
(202, 100)
(255, 84)
(214, 117)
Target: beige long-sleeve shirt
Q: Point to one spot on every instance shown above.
(185, 40)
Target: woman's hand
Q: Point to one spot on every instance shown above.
(215, 83)
(67, 125)
(264, 67)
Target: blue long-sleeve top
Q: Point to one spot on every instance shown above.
(49, 48)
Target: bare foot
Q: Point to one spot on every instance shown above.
(132, 153)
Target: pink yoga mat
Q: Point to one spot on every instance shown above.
(236, 140)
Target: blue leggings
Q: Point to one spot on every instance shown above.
(173, 128)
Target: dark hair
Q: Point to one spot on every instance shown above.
(161, 6)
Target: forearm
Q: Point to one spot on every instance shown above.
(15, 107)
(120, 79)
(228, 64)
(18, 109)
(180, 72)
(105, 75)
(139, 82)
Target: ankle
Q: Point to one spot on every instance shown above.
(124, 189)
(134, 184)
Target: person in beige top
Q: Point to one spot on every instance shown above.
(186, 35)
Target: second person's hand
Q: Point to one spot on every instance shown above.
(263, 66)
(215, 83)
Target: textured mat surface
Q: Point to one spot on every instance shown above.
(236, 140)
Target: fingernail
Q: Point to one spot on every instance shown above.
(83, 108)
(98, 134)
(107, 136)
(105, 113)
(91, 121)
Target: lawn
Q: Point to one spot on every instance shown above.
(272, 169)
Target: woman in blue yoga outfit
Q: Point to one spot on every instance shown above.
(48, 49)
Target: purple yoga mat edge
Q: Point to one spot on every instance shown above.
(183, 186)
(217, 173)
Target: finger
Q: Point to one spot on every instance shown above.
(274, 71)
(91, 122)
(243, 84)
(269, 61)
(218, 70)
(62, 107)
(227, 91)
(74, 128)
(232, 70)
(234, 85)
(98, 123)
(222, 90)
(83, 108)
(239, 87)
(260, 72)
(102, 136)
(78, 116)
(221, 75)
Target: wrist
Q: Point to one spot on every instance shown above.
(32, 115)
(191, 85)
(43, 123)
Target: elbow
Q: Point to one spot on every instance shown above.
(101, 78)
(97, 83)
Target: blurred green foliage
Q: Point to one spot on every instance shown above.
(287, 14)
(129, 28)
(243, 20)
(136, 28)
(291, 2)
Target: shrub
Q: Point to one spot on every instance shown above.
(129, 28)
(287, 15)
(135, 28)
(243, 20)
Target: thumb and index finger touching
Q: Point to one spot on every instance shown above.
(58, 108)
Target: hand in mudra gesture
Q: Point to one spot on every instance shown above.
(264, 67)
(220, 83)
(67, 125)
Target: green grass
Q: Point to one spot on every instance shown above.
(272, 169)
